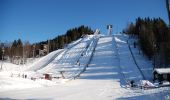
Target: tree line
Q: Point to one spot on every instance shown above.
(153, 38)
(21, 49)
(61, 41)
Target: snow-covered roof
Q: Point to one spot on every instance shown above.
(162, 70)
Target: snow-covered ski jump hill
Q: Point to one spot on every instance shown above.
(94, 67)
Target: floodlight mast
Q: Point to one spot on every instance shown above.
(168, 10)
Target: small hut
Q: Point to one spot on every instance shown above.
(48, 76)
(161, 74)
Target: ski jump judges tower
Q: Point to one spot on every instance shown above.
(109, 27)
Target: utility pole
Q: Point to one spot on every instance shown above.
(48, 46)
(3, 50)
(168, 10)
(154, 62)
(33, 51)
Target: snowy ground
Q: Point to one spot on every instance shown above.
(104, 79)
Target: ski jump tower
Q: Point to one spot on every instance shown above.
(109, 27)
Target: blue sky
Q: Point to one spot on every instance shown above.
(37, 20)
